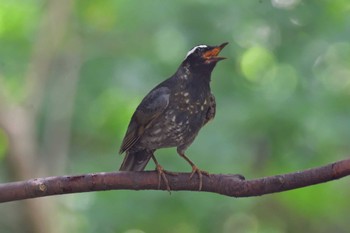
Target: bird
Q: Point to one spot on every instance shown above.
(172, 113)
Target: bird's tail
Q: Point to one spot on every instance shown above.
(136, 160)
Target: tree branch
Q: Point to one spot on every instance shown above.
(229, 185)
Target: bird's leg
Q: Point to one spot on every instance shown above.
(161, 174)
(195, 169)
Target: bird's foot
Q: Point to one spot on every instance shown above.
(161, 175)
(195, 169)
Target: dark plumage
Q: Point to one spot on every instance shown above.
(173, 112)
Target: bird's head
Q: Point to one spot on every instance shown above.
(204, 56)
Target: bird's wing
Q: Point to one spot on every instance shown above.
(151, 107)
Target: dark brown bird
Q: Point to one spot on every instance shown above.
(173, 112)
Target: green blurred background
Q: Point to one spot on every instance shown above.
(72, 73)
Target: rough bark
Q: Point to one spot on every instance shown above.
(229, 185)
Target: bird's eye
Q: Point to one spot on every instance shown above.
(200, 50)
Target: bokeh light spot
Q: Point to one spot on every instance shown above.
(285, 4)
(256, 62)
(257, 32)
(332, 67)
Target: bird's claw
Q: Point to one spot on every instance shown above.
(195, 169)
(161, 175)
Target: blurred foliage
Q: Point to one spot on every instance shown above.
(3, 144)
(283, 104)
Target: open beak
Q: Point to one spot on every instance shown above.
(212, 54)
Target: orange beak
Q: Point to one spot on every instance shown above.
(212, 55)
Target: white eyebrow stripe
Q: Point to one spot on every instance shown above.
(194, 49)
